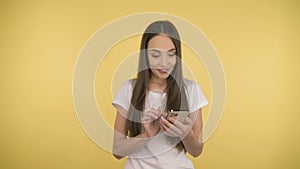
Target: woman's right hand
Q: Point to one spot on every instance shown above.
(151, 122)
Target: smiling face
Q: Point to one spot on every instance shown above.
(161, 56)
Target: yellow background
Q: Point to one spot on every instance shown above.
(258, 44)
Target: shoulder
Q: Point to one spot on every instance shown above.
(128, 84)
(192, 88)
(195, 96)
(123, 96)
(189, 84)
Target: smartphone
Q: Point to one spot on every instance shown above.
(180, 115)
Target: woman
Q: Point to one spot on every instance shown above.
(144, 131)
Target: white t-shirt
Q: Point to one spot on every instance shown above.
(160, 152)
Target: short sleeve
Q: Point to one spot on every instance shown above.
(196, 98)
(123, 96)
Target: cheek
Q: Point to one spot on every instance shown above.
(173, 61)
(153, 62)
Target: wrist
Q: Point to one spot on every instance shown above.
(145, 135)
(188, 136)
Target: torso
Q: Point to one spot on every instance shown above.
(156, 86)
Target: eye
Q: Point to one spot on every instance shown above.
(171, 54)
(155, 54)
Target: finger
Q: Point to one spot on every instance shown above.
(176, 130)
(168, 132)
(179, 128)
(152, 115)
(172, 127)
(146, 119)
(154, 111)
(171, 119)
(166, 123)
(189, 121)
(176, 122)
(164, 114)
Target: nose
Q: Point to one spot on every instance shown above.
(164, 60)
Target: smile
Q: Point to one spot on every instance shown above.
(163, 70)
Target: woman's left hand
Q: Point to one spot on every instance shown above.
(174, 128)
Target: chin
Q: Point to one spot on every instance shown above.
(163, 76)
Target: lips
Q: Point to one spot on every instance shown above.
(163, 70)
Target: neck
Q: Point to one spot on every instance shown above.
(158, 81)
(158, 85)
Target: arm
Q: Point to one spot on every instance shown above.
(124, 146)
(192, 141)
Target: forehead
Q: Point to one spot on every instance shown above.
(162, 42)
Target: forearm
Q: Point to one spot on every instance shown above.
(193, 144)
(123, 146)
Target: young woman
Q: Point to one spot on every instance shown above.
(144, 131)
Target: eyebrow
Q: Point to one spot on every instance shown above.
(172, 50)
(156, 50)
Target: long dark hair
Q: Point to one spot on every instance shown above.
(176, 96)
